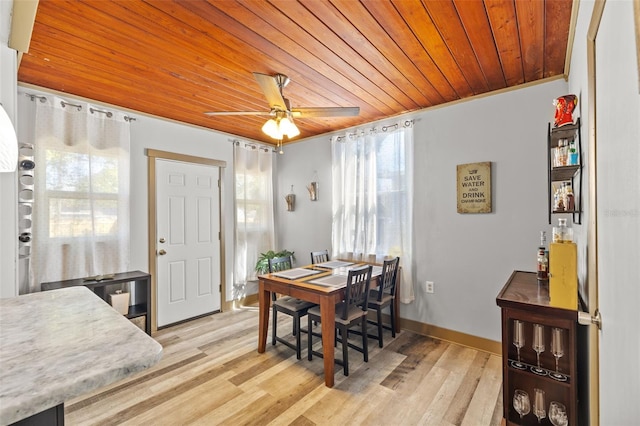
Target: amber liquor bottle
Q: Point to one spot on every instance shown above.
(543, 260)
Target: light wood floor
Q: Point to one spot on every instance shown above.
(211, 373)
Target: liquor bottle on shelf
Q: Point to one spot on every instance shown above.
(543, 260)
(559, 198)
(570, 204)
(573, 154)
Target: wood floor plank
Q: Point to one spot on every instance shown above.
(456, 360)
(189, 406)
(421, 355)
(465, 392)
(212, 374)
(229, 410)
(364, 390)
(489, 390)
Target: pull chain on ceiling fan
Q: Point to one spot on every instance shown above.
(281, 122)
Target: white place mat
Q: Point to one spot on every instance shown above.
(376, 271)
(333, 264)
(331, 281)
(295, 273)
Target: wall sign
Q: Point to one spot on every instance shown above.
(474, 187)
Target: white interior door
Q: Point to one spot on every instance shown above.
(187, 240)
(618, 214)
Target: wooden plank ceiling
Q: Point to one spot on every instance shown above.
(178, 59)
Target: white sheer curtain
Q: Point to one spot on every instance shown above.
(81, 195)
(253, 166)
(372, 195)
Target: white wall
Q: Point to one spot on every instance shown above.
(468, 256)
(308, 228)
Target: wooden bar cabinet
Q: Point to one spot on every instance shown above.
(539, 355)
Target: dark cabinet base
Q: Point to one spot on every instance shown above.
(54, 416)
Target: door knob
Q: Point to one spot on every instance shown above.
(162, 240)
(162, 252)
(584, 318)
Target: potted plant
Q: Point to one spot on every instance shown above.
(262, 265)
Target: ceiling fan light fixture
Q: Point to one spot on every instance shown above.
(289, 128)
(272, 129)
(279, 127)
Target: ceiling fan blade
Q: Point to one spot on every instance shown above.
(211, 113)
(325, 112)
(271, 91)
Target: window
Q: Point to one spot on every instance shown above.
(81, 193)
(372, 196)
(254, 210)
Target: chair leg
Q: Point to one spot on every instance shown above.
(274, 326)
(296, 325)
(392, 311)
(345, 352)
(310, 340)
(365, 348)
(379, 312)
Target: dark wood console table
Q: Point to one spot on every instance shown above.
(141, 295)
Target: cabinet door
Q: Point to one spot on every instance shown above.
(539, 370)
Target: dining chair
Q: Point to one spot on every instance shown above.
(352, 311)
(296, 308)
(384, 295)
(319, 256)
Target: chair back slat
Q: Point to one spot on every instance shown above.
(319, 256)
(357, 291)
(388, 277)
(278, 264)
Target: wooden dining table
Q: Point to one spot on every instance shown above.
(303, 288)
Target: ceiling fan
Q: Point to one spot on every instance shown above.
(281, 122)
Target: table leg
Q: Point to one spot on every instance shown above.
(328, 315)
(264, 300)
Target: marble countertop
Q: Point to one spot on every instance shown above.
(59, 344)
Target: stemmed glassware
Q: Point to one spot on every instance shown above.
(538, 346)
(557, 349)
(518, 342)
(558, 414)
(539, 404)
(521, 402)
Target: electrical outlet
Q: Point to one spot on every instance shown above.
(430, 286)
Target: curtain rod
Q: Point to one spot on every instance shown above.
(251, 144)
(64, 104)
(385, 128)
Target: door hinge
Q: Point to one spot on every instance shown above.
(220, 288)
(585, 318)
